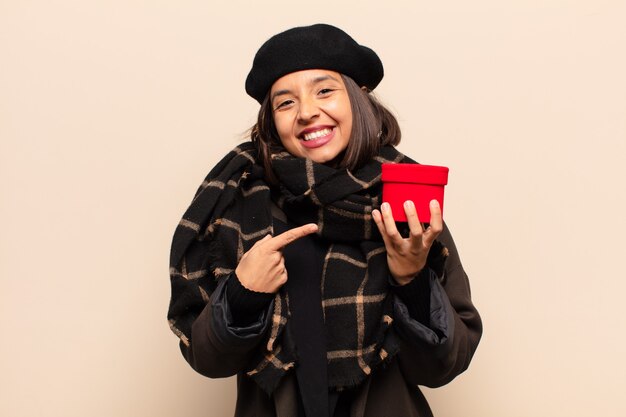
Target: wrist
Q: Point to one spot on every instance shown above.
(405, 272)
(404, 279)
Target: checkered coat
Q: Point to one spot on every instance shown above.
(430, 354)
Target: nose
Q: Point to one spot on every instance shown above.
(307, 110)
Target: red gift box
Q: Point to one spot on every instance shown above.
(415, 182)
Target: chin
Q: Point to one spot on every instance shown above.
(329, 160)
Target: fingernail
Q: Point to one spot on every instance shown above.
(434, 203)
(408, 204)
(384, 207)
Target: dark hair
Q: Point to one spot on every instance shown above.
(373, 126)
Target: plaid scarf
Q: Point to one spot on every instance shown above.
(231, 211)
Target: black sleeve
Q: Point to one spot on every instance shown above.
(218, 347)
(245, 305)
(435, 353)
(416, 295)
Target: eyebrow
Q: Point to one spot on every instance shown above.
(312, 82)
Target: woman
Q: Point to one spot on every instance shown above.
(289, 272)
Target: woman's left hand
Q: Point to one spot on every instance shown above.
(407, 257)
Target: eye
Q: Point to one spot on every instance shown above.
(283, 104)
(325, 91)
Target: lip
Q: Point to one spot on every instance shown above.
(317, 142)
(312, 129)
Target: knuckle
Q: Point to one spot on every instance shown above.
(437, 228)
(394, 234)
(416, 252)
(415, 233)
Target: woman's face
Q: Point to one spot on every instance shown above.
(312, 114)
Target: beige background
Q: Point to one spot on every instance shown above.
(112, 112)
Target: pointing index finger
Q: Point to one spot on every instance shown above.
(280, 241)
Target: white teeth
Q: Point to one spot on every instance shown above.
(317, 134)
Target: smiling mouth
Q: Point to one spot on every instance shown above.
(317, 134)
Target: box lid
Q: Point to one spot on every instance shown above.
(415, 174)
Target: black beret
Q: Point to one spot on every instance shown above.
(318, 46)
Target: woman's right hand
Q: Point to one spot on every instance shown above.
(262, 268)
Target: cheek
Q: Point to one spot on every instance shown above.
(347, 121)
(282, 127)
(344, 108)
